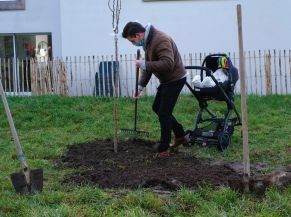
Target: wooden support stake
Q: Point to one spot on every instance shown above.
(268, 73)
(246, 157)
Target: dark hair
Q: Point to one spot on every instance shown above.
(131, 29)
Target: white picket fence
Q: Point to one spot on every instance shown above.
(267, 72)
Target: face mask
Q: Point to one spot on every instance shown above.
(139, 43)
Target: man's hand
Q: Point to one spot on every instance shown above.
(137, 95)
(138, 63)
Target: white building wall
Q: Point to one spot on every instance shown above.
(196, 26)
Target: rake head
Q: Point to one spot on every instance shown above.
(135, 132)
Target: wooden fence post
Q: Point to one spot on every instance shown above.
(32, 76)
(246, 157)
(268, 73)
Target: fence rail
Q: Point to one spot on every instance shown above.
(267, 72)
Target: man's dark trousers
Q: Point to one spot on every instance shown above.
(163, 106)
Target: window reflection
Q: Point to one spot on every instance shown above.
(34, 46)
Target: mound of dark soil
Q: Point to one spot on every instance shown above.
(135, 165)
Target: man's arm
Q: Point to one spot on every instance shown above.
(165, 56)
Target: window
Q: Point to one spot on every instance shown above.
(16, 51)
(22, 46)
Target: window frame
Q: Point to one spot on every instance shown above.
(12, 5)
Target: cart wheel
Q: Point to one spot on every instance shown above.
(230, 130)
(224, 141)
(191, 138)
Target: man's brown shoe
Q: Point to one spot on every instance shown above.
(179, 141)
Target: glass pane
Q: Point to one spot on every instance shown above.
(25, 46)
(25, 50)
(6, 62)
(6, 46)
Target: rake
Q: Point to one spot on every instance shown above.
(134, 131)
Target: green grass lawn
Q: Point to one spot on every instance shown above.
(46, 125)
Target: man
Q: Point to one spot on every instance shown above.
(162, 59)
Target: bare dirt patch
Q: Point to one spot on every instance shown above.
(135, 165)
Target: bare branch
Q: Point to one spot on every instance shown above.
(115, 8)
(110, 8)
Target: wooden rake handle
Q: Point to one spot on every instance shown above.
(136, 89)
